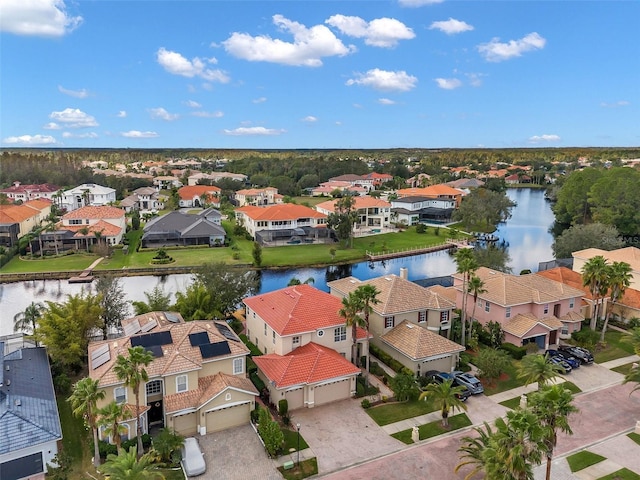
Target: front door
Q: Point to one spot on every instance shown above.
(155, 413)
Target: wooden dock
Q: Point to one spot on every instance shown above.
(87, 275)
(448, 245)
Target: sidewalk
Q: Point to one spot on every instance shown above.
(305, 454)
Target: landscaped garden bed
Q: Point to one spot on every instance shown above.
(433, 429)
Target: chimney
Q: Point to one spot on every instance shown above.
(404, 273)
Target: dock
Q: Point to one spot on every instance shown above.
(448, 245)
(87, 275)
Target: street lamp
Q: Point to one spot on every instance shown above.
(298, 429)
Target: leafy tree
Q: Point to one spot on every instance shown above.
(296, 281)
(492, 363)
(157, 301)
(195, 303)
(166, 443)
(592, 235)
(445, 397)
(27, 321)
(343, 218)
(174, 199)
(110, 417)
(257, 254)
(351, 306)
(127, 466)
(112, 299)
(494, 333)
(572, 206)
(83, 400)
(270, 432)
(595, 275)
(367, 294)
(495, 257)
(131, 370)
(465, 265)
(135, 219)
(227, 286)
(484, 208)
(620, 276)
(614, 199)
(538, 369)
(404, 387)
(309, 180)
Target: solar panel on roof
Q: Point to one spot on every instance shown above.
(172, 317)
(101, 360)
(152, 339)
(156, 350)
(148, 326)
(199, 338)
(132, 328)
(99, 351)
(226, 332)
(210, 350)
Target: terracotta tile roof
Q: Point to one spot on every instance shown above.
(522, 323)
(572, 317)
(33, 188)
(418, 343)
(162, 319)
(430, 191)
(631, 298)
(190, 191)
(208, 388)
(450, 293)
(17, 213)
(178, 356)
(360, 202)
(630, 255)
(105, 229)
(297, 309)
(397, 295)
(568, 277)
(309, 364)
(129, 411)
(94, 213)
(255, 191)
(284, 211)
(39, 203)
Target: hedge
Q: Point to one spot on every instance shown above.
(255, 351)
(514, 351)
(385, 358)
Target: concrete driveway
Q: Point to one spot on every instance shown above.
(593, 377)
(342, 434)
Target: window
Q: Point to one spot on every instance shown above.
(546, 309)
(124, 434)
(422, 317)
(480, 303)
(238, 366)
(444, 316)
(154, 387)
(227, 397)
(265, 328)
(75, 221)
(340, 334)
(487, 306)
(295, 340)
(181, 383)
(389, 322)
(508, 312)
(120, 394)
(571, 302)
(565, 329)
(273, 336)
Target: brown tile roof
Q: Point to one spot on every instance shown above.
(178, 356)
(309, 364)
(418, 343)
(397, 295)
(430, 191)
(360, 202)
(208, 388)
(522, 323)
(630, 255)
(33, 188)
(568, 277)
(572, 317)
(94, 213)
(631, 298)
(449, 293)
(161, 319)
(129, 411)
(284, 211)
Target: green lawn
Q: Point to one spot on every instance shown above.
(306, 469)
(616, 347)
(172, 474)
(76, 440)
(622, 474)
(434, 429)
(581, 460)
(634, 436)
(291, 440)
(572, 386)
(394, 412)
(623, 369)
(512, 403)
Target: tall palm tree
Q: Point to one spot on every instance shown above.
(127, 466)
(52, 227)
(27, 321)
(552, 406)
(472, 450)
(445, 397)
(368, 296)
(84, 399)
(476, 287)
(132, 371)
(538, 368)
(351, 306)
(466, 265)
(110, 417)
(84, 231)
(633, 337)
(620, 275)
(595, 273)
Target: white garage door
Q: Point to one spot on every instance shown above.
(185, 424)
(331, 392)
(295, 398)
(228, 417)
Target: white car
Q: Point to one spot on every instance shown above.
(192, 458)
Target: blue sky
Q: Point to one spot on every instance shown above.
(319, 74)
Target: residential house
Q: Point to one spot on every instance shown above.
(409, 322)
(283, 223)
(166, 182)
(16, 221)
(530, 308)
(368, 181)
(306, 345)
(87, 226)
(516, 178)
(412, 210)
(257, 196)
(143, 199)
(178, 228)
(420, 180)
(439, 192)
(572, 279)
(87, 194)
(466, 184)
(630, 255)
(197, 379)
(30, 192)
(29, 423)
(372, 213)
(327, 189)
(197, 178)
(199, 196)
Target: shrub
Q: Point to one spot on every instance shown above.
(257, 381)
(514, 351)
(359, 390)
(376, 369)
(283, 407)
(255, 351)
(586, 337)
(365, 403)
(385, 358)
(255, 414)
(421, 228)
(236, 256)
(531, 347)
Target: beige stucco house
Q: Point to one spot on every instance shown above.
(630, 255)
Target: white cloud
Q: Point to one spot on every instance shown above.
(385, 80)
(496, 51)
(192, 104)
(621, 103)
(139, 134)
(122, 114)
(204, 114)
(52, 126)
(161, 114)
(475, 79)
(338, 122)
(418, 3)
(79, 135)
(308, 47)
(43, 18)
(448, 83)
(260, 100)
(84, 93)
(381, 32)
(310, 119)
(386, 101)
(73, 118)
(175, 63)
(544, 138)
(451, 26)
(30, 140)
(253, 131)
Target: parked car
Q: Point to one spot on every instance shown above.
(580, 353)
(441, 377)
(192, 458)
(468, 380)
(559, 361)
(566, 356)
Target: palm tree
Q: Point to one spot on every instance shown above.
(27, 321)
(633, 376)
(110, 417)
(84, 399)
(473, 449)
(85, 232)
(552, 406)
(445, 397)
(368, 296)
(132, 371)
(126, 466)
(620, 275)
(595, 276)
(52, 227)
(475, 287)
(466, 265)
(538, 368)
(351, 306)
(633, 337)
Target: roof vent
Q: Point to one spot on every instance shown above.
(8, 382)
(18, 402)
(409, 325)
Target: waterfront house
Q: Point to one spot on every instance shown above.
(371, 213)
(439, 191)
(86, 226)
(180, 228)
(412, 210)
(630, 255)
(16, 221)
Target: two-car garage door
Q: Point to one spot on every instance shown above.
(330, 392)
(228, 417)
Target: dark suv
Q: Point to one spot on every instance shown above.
(441, 377)
(580, 353)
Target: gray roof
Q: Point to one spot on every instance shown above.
(28, 409)
(183, 223)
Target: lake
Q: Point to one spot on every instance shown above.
(526, 233)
